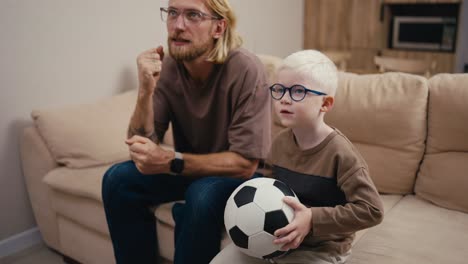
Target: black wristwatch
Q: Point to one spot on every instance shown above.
(177, 164)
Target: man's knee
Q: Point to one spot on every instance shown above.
(209, 195)
(199, 193)
(116, 176)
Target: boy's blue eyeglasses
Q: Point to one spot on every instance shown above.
(297, 92)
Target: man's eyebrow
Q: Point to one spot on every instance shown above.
(194, 10)
(188, 9)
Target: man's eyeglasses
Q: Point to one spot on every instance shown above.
(191, 16)
(297, 92)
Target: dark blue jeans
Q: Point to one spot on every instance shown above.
(128, 196)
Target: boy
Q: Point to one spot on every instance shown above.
(320, 164)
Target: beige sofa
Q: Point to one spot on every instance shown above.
(412, 131)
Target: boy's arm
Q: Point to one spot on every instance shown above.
(364, 208)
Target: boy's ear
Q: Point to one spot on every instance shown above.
(327, 104)
(219, 29)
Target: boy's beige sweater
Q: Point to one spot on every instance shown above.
(333, 180)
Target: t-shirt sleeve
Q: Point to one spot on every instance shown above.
(249, 132)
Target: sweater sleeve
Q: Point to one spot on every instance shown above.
(364, 207)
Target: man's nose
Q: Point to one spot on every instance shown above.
(180, 22)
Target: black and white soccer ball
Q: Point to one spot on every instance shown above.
(254, 211)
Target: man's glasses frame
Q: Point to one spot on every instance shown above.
(297, 92)
(190, 16)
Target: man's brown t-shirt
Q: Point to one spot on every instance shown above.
(229, 112)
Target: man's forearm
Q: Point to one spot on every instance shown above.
(142, 121)
(219, 164)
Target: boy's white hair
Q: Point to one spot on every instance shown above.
(315, 67)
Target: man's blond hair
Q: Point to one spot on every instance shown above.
(230, 39)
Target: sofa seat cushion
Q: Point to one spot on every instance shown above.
(84, 182)
(76, 195)
(443, 178)
(166, 224)
(415, 231)
(83, 244)
(389, 201)
(384, 115)
(83, 211)
(164, 211)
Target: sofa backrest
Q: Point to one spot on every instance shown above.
(384, 115)
(443, 178)
(86, 135)
(272, 63)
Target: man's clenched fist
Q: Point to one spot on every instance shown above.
(149, 158)
(149, 66)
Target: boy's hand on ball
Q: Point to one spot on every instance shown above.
(293, 234)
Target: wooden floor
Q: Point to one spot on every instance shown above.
(40, 254)
(37, 254)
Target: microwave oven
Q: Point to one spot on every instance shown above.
(424, 33)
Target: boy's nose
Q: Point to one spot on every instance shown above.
(286, 99)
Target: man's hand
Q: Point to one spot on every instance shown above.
(149, 158)
(293, 234)
(149, 66)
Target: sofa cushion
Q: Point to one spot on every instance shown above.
(87, 135)
(76, 195)
(84, 182)
(166, 225)
(384, 115)
(389, 201)
(83, 244)
(272, 64)
(415, 231)
(164, 214)
(84, 211)
(443, 178)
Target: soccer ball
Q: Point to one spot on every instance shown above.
(253, 212)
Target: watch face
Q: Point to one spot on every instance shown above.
(177, 165)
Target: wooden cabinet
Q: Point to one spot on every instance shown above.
(360, 27)
(342, 24)
(346, 25)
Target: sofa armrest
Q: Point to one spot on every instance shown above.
(37, 161)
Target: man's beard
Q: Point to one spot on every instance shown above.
(188, 53)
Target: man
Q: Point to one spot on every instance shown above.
(215, 96)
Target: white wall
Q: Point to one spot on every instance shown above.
(462, 45)
(271, 26)
(59, 52)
